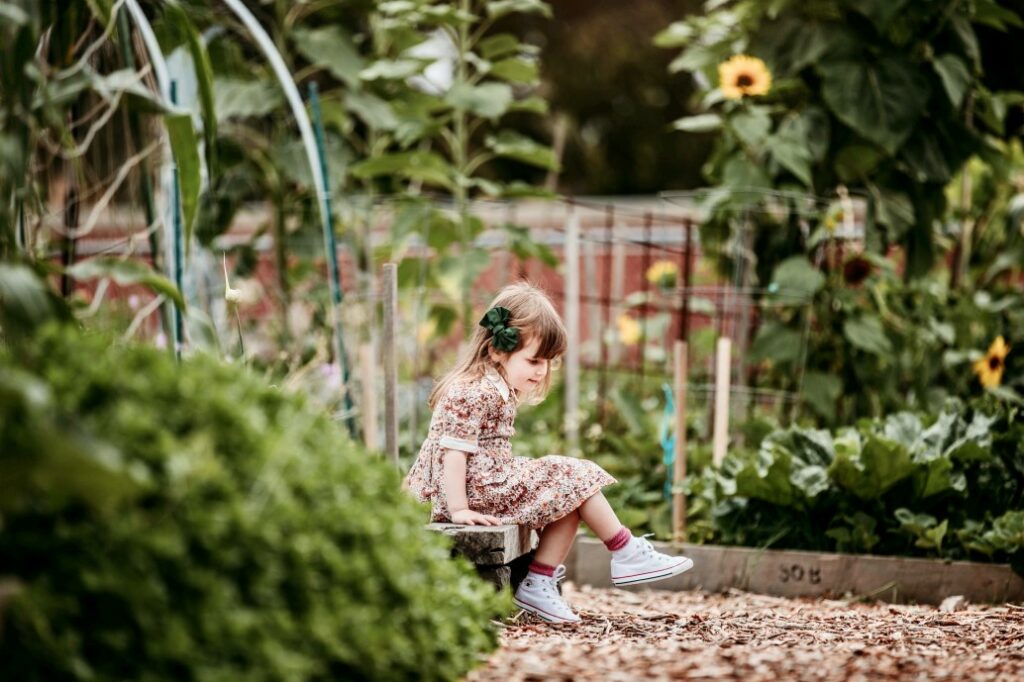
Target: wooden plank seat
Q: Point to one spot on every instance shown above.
(501, 554)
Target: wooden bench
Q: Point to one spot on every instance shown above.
(501, 554)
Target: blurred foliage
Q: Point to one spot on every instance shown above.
(184, 520)
(888, 99)
(878, 344)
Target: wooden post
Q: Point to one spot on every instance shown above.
(572, 326)
(618, 283)
(679, 470)
(390, 362)
(723, 366)
(368, 363)
(593, 303)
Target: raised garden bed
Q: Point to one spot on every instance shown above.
(787, 573)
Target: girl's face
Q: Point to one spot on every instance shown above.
(524, 370)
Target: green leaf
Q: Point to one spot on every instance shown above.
(1007, 532)
(500, 8)
(880, 12)
(185, 147)
(777, 343)
(515, 70)
(870, 467)
(331, 47)
(13, 14)
(767, 477)
(419, 165)
(678, 34)
(795, 278)
(204, 78)
(455, 272)
(374, 111)
(701, 123)
(811, 480)
(991, 13)
(881, 100)
(387, 69)
(125, 273)
(792, 43)
(856, 161)
(865, 332)
(699, 58)
(793, 155)
(245, 99)
(751, 126)
(961, 26)
(895, 210)
(533, 104)
(739, 172)
(937, 151)
(956, 78)
(24, 300)
(290, 157)
(500, 45)
(820, 391)
(489, 100)
(512, 145)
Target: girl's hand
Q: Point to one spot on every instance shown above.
(468, 517)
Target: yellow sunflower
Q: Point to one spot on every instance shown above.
(663, 273)
(743, 75)
(990, 368)
(629, 329)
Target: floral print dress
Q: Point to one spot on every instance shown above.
(476, 417)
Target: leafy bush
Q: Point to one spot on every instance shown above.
(187, 522)
(952, 486)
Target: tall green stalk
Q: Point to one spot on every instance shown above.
(148, 203)
(460, 158)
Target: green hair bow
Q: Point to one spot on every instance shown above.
(503, 336)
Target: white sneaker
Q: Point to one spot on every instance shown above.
(539, 595)
(639, 562)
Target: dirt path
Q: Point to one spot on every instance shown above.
(741, 636)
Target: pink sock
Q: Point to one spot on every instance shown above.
(619, 540)
(542, 569)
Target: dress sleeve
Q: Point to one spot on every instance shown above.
(464, 409)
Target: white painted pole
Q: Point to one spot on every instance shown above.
(572, 326)
(723, 366)
(679, 467)
(390, 285)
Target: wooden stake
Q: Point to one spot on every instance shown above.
(572, 326)
(593, 306)
(367, 365)
(619, 235)
(390, 362)
(679, 470)
(723, 365)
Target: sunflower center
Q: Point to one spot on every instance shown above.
(994, 363)
(744, 80)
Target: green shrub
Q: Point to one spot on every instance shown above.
(187, 522)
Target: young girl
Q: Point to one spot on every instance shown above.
(467, 471)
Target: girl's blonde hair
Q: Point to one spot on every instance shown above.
(533, 313)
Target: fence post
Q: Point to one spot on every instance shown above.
(390, 285)
(679, 469)
(572, 326)
(723, 364)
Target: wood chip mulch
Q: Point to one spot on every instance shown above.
(660, 635)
